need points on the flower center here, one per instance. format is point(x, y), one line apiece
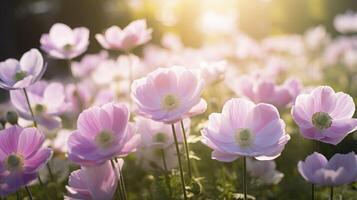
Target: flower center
point(20, 75)
point(160, 137)
point(170, 102)
point(321, 120)
point(104, 139)
point(39, 109)
point(243, 137)
point(67, 47)
point(14, 162)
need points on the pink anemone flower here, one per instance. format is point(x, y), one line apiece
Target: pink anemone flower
point(96, 182)
point(62, 42)
point(21, 157)
point(245, 129)
point(339, 170)
point(135, 34)
point(47, 101)
point(169, 94)
point(19, 74)
point(324, 115)
point(102, 134)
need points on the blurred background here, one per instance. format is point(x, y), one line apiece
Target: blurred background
point(23, 21)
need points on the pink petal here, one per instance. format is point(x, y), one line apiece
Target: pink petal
point(344, 108)
point(60, 35)
point(32, 62)
point(324, 99)
point(9, 139)
point(261, 115)
point(223, 157)
point(30, 141)
point(38, 160)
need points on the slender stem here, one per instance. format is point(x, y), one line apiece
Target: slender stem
point(50, 172)
point(313, 191)
point(123, 184)
point(18, 195)
point(40, 180)
point(117, 175)
point(29, 192)
point(167, 178)
point(29, 105)
point(187, 150)
point(331, 193)
point(44, 186)
point(245, 177)
point(179, 161)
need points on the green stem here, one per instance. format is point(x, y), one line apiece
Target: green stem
point(119, 183)
point(313, 191)
point(50, 172)
point(44, 186)
point(29, 105)
point(18, 195)
point(123, 184)
point(29, 192)
point(245, 177)
point(331, 193)
point(187, 150)
point(167, 178)
point(179, 161)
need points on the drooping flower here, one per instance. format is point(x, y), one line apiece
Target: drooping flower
point(47, 102)
point(245, 129)
point(102, 133)
point(158, 134)
point(339, 170)
point(21, 157)
point(169, 94)
point(18, 74)
point(62, 42)
point(95, 182)
point(324, 115)
point(135, 34)
point(265, 171)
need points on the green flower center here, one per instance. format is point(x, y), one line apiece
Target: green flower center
point(14, 162)
point(243, 137)
point(104, 139)
point(20, 75)
point(39, 108)
point(160, 137)
point(170, 102)
point(321, 120)
point(67, 47)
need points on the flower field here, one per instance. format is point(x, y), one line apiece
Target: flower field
point(140, 110)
